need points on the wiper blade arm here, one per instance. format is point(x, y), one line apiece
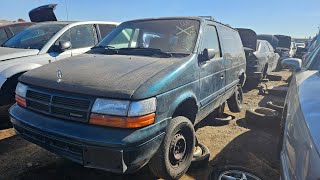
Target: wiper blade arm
point(154, 50)
point(105, 47)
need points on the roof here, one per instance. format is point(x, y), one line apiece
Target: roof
point(78, 22)
point(199, 18)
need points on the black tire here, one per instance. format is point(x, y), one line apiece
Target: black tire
point(262, 117)
point(219, 171)
point(274, 106)
point(173, 165)
point(201, 161)
point(236, 100)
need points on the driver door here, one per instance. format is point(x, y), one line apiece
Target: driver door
point(212, 72)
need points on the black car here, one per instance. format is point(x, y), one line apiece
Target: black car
point(135, 98)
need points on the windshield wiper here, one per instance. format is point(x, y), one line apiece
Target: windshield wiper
point(105, 47)
point(153, 51)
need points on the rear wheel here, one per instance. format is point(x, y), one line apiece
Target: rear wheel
point(174, 156)
point(236, 100)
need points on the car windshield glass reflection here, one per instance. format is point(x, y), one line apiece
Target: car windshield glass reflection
point(169, 36)
point(34, 37)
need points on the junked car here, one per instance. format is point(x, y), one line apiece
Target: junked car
point(260, 55)
point(43, 43)
point(135, 98)
point(300, 139)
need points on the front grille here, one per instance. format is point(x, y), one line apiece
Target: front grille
point(59, 105)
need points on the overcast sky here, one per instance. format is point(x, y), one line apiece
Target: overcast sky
point(297, 18)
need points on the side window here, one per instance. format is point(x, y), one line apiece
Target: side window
point(123, 39)
point(262, 48)
point(80, 36)
point(83, 36)
point(210, 40)
point(3, 36)
point(105, 29)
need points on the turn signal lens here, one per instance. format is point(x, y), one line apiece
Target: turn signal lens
point(122, 122)
point(21, 101)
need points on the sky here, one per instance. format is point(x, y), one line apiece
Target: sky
point(296, 18)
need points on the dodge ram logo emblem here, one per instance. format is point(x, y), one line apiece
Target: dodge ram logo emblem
point(59, 76)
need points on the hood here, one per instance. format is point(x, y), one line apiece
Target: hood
point(284, 41)
point(43, 13)
point(111, 76)
point(12, 53)
point(270, 38)
point(309, 86)
point(248, 38)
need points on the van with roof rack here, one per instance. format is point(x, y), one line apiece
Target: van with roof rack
point(135, 98)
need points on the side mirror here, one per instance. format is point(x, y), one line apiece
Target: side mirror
point(292, 63)
point(208, 54)
point(64, 45)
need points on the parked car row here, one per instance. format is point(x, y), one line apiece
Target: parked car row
point(260, 54)
point(129, 95)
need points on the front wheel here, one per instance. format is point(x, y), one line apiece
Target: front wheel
point(236, 100)
point(174, 156)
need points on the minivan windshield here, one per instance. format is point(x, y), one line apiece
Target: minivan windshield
point(34, 37)
point(165, 35)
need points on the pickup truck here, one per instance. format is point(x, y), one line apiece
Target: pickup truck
point(135, 98)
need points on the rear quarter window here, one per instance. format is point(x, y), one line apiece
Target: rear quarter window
point(105, 29)
point(231, 42)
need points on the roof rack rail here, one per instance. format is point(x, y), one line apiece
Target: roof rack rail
point(207, 17)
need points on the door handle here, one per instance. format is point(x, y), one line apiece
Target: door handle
point(222, 76)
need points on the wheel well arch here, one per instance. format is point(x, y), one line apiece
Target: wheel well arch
point(242, 78)
point(187, 108)
point(12, 79)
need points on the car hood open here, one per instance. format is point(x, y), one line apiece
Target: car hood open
point(284, 41)
point(248, 38)
point(12, 53)
point(112, 76)
point(43, 13)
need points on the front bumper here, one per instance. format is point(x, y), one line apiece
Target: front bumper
point(111, 149)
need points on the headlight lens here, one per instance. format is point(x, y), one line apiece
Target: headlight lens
point(143, 107)
point(21, 90)
point(111, 107)
point(124, 108)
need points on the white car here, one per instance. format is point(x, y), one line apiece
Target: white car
point(43, 43)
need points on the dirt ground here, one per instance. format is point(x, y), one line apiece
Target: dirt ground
point(231, 143)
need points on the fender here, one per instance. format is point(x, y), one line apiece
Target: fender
point(243, 71)
point(16, 69)
point(181, 99)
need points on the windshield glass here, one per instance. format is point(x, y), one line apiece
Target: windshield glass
point(34, 37)
point(170, 36)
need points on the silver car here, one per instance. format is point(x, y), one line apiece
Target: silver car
point(300, 139)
